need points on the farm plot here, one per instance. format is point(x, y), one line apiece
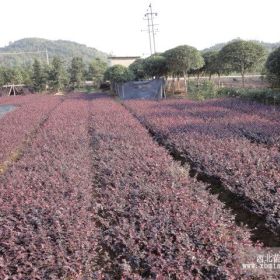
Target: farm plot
point(211, 137)
point(93, 196)
point(258, 122)
point(17, 126)
point(154, 221)
point(46, 227)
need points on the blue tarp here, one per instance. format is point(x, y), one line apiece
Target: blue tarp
point(149, 89)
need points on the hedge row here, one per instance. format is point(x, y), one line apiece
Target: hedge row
point(154, 221)
point(17, 125)
point(212, 138)
point(46, 219)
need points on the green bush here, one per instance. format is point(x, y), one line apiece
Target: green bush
point(273, 68)
point(205, 90)
point(267, 96)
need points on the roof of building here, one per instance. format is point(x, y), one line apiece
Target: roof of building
point(124, 57)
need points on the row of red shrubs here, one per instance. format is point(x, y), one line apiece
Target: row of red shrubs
point(47, 226)
point(154, 221)
point(211, 136)
point(94, 197)
point(15, 127)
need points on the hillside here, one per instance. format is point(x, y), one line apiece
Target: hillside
point(64, 49)
point(268, 46)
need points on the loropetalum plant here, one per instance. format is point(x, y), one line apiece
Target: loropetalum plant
point(94, 197)
point(234, 141)
point(153, 220)
point(47, 226)
point(17, 125)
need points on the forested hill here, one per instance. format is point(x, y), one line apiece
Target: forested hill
point(269, 46)
point(64, 49)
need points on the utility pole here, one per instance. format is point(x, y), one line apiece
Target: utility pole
point(149, 32)
point(47, 57)
point(149, 16)
point(152, 25)
point(23, 53)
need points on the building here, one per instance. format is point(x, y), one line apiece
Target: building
point(122, 60)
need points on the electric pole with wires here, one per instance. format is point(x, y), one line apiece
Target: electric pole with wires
point(150, 16)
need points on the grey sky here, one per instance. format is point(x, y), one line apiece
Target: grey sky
point(115, 26)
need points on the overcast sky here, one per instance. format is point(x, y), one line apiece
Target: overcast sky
point(114, 26)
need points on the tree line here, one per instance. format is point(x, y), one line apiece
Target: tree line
point(56, 76)
point(238, 56)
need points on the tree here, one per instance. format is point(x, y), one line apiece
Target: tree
point(214, 64)
point(15, 75)
point(155, 66)
point(242, 56)
point(118, 74)
point(11, 75)
point(137, 68)
point(96, 71)
point(77, 72)
point(57, 74)
point(38, 76)
point(211, 61)
point(273, 67)
point(181, 59)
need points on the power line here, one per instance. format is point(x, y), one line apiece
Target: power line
point(34, 52)
point(150, 16)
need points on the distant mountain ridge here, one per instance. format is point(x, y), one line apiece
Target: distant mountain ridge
point(268, 46)
point(62, 48)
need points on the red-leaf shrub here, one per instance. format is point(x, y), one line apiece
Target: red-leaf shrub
point(94, 197)
point(46, 218)
point(17, 125)
point(216, 137)
point(154, 222)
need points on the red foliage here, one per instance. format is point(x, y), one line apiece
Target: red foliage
point(219, 137)
point(18, 124)
point(46, 226)
point(154, 221)
point(94, 197)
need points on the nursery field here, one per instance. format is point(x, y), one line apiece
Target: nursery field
point(91, 188)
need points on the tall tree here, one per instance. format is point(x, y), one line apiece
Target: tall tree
point(137, 67)
point(155, 66)
point(77, 72)
point(273, 67)
point(118, 74)
point(38, 76)
point(181, 59)
point(242, 56)
point(57, 74)
point(214, 64)
point(96, 71)
point(211, 66)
